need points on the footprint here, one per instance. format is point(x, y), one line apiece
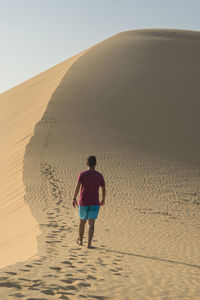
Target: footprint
point(18, 295)
point(35, 285)
point(10, 284)
point(64, 297)
point(48, 292)
point(84, 284)
point(55, 268)
point(81, 270)
point(97, 297)
point(50, 275)
point(33, 288)
point(66, 262)
point(24, 279)
point(69, 287)
point(91, 277)
point(67, 280)
point(11, 273)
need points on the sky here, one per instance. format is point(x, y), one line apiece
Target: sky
point(38, 34)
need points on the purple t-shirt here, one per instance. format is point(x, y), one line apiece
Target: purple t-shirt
point(91, 180)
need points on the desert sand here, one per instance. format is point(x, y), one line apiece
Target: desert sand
point(133, 101)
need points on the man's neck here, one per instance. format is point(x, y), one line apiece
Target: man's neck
point(91, 169)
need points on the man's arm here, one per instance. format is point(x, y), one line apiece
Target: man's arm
point(103, 195)
point(74, 203)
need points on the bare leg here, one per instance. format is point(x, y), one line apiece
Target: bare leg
point(81, 231)
point(90, 232)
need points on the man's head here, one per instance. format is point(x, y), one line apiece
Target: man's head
point(91, 161)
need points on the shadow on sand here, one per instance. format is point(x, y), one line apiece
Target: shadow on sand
point(149, 257)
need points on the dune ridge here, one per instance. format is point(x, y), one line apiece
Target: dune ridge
point(116, 101)
point(21, 108)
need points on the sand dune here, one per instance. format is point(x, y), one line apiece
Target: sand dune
point(132, 100)
point(21, 108)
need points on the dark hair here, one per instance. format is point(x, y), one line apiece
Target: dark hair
point(92, 161)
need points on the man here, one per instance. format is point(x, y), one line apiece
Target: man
point(89, 204)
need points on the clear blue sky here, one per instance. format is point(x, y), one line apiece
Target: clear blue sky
point(38, 34)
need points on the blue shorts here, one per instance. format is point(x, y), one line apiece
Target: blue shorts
point(88, 212)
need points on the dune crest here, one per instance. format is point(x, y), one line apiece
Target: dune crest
point(21, 108)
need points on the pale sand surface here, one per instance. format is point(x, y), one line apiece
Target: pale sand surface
point(21, 108)
point(133, 101)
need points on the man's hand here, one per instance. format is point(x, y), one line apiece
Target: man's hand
point(74, 203)
point(103, 195)
point(102, 202)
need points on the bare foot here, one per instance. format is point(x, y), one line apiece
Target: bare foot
point(90, 247)
point(79, 242)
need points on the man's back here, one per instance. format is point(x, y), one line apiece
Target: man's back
point(91, 180)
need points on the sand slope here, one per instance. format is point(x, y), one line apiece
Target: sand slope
point(133, 101)
point(21, 108)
